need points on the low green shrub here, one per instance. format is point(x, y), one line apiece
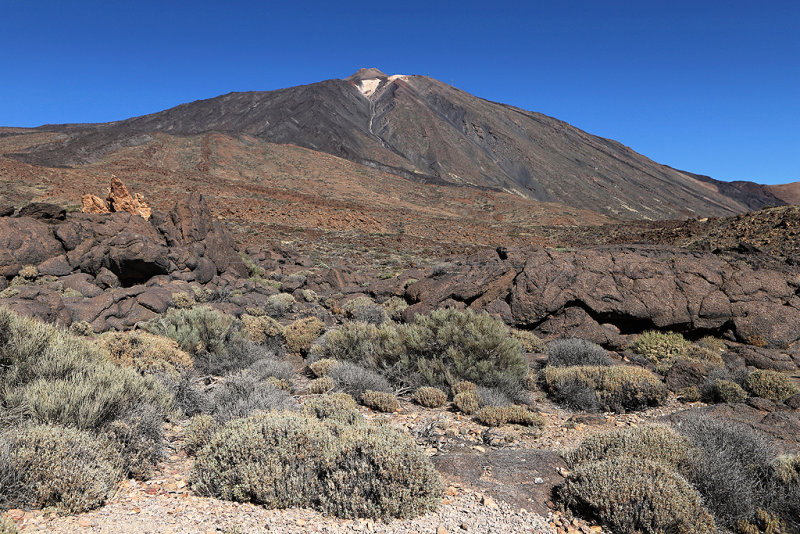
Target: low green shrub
point(502, 415)
point(267, 368)
point(282, 460)
point(530, 342)
point(365, 310)
point(261, 328)
point(57, 378)
point(322, 367)
point(363, 343)
point(380, 401)
point(280, 304)
point(56, 466)
point(198, 432)
point(636, 495)
point(81, 328)
point(242, 394)
point(772, 385)
point(430, 397)
point(467, 402)
point(574, 351)
point(321, 385)
point(302, 333)
point(395, 306)
point(196, 329)
point(730, 465)
point(656, 443)
point(237, 354)
point(139, 437)
point(616, 388)
point(355, 380)
point(463, 386)
point(657, 346)
point(145, 352)
point(339, 407)
point(720, 390)
point(182, 300)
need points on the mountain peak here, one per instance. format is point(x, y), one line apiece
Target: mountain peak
point(370, 73)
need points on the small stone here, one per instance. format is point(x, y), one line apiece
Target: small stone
point(16, 514)
point(84, 522)
point(489, 501)
point(441, 530)
point(538, 480)
point(478, 448)
point(464, 526)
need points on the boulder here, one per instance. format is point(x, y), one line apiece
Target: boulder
point(43, 211)
point(25, 241)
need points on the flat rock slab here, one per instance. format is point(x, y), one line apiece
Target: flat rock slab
point(508, 475)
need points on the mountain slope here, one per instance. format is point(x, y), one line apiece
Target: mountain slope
point(427, 131)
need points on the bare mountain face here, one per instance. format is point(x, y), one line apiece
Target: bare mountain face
point(427, 131)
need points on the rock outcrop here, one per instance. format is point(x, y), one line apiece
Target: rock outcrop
point(117, 200)
point(602, 294)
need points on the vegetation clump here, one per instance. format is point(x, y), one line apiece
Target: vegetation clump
point(301, 333)
point(771, 385)
point(321, 385)
point(467, 402)
point(573, 351)
point(530, 342)
point(657, 346)
point(280, 304)
point(380, 401)
point(502, 415)
point(242, 394)
point(656, 443)
point(261, 329)
point(430, 397)
point(198, 432)
point(322, 367)
point(280, 460)
point(365, 310)
point(195, 329)
point(636, 495)
point(356, 380)
point(339, 407)
point(145, 352)
point(616, 388)
point(51, 465)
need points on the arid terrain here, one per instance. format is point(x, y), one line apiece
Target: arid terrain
point(479, 318)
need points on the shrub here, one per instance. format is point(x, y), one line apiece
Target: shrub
point(81, 328)
point(615, 388)
point(705, 353)
point(467, 402)
point(7, 526)
point(197, 329)
point(430, 397)
point(731, 466)
point(281, 460)
point(237, 354)
point(57, 466)
point(365, 310)
point(771, 385)
point(266, 368)
point(380, 401)
point(198, 432)
point(463, 386)
point(574, 351)
point(395, 306)
point(355, 380)
point(720, 390)
point(657, 443)
point(450, 345)
point(530, 342)
point(280, 304)
point(139, 437)
point(302, 333)
point(338, 407)
point(54, 377)
point(501, 415)
point(635, 495)
point(28, 272)
point(363, 343)
point(657, 346)
point(712, 343)
point(145, 352)
point(261, 328)
point(242, 394)
point(321, 385)
point(182, 300)
point(322, 367)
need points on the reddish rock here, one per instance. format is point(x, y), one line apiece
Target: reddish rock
point(25, 241)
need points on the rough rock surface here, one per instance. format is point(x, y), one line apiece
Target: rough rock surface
point(601, 293)
point(118, 199)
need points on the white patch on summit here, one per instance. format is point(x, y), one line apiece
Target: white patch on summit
point(367, 87)
point(394, 77)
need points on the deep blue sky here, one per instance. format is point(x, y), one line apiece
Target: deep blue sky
point(707, 86)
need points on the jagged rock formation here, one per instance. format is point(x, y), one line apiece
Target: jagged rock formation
point(118, 199)
point(604, 293)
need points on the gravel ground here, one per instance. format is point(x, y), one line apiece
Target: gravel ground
point(182, 513)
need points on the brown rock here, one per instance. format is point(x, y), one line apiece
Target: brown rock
point(43, 211)
point(93, 204)
point(25, 241)
point(119, 199)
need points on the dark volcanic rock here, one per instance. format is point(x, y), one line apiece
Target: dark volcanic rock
point(25, 241)
point(632, 288)
point(43, 211)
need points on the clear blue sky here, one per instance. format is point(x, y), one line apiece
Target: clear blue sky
point(707, 86)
